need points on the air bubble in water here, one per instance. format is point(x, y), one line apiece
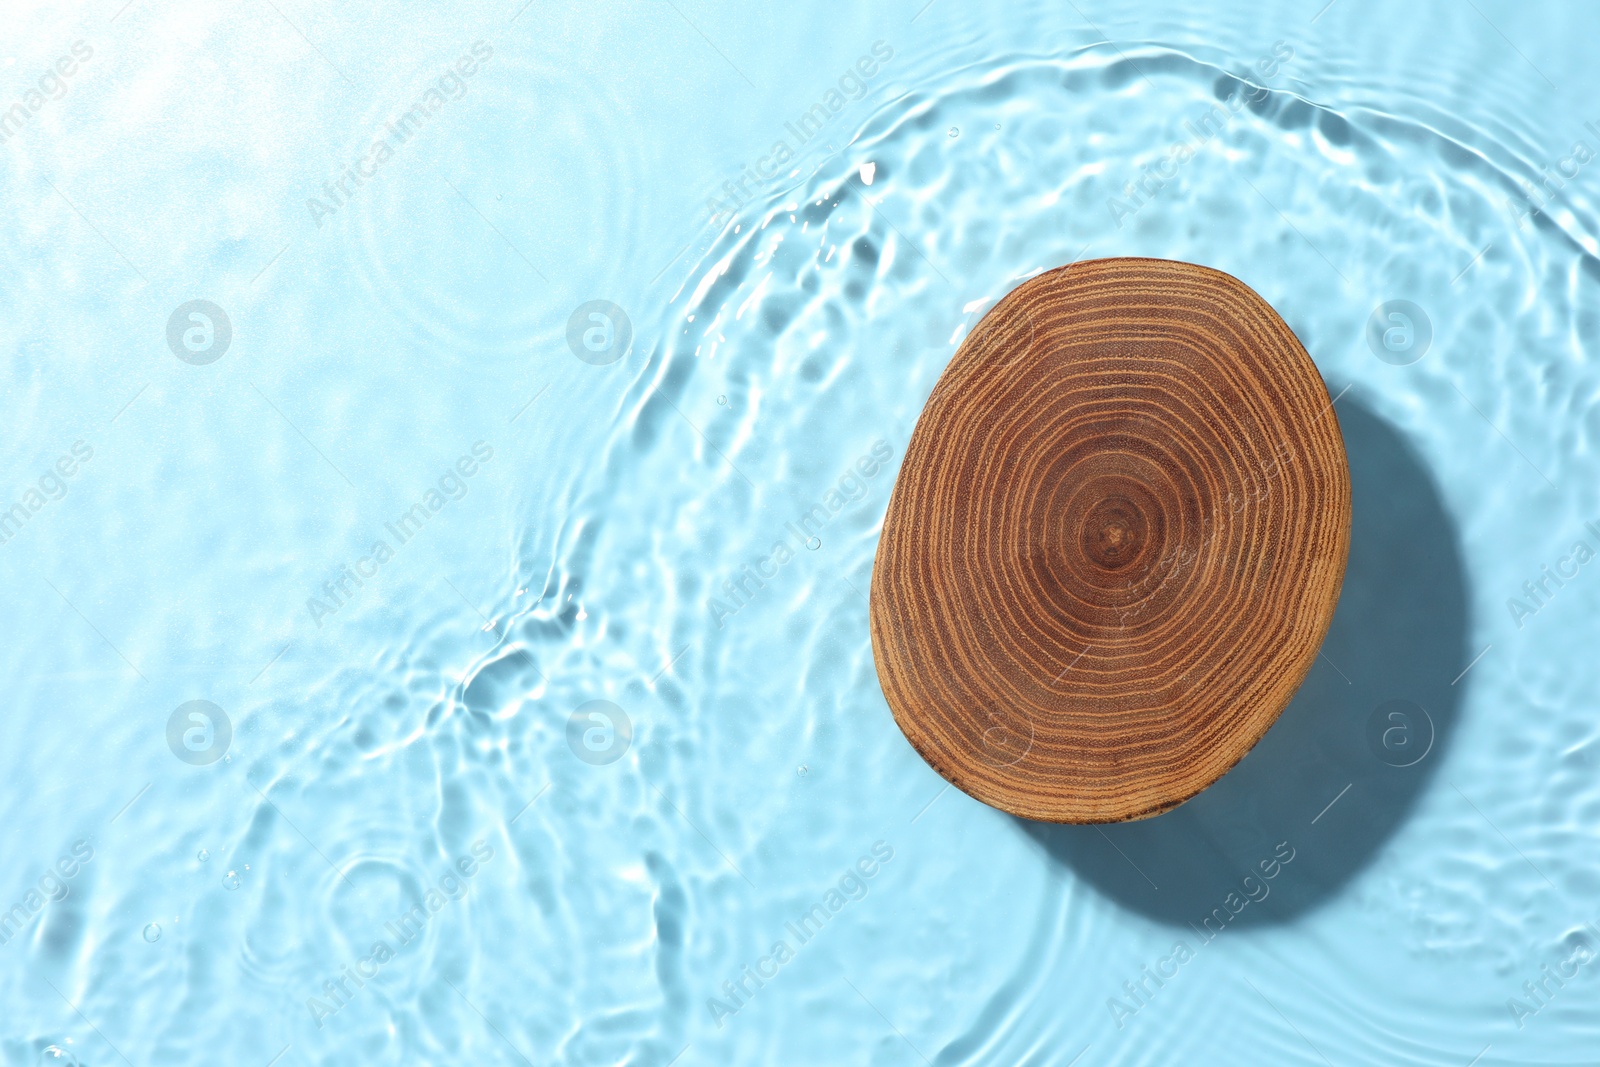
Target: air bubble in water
point(231, 880)
point(152, 933)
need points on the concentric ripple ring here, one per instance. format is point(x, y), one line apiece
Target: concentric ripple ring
point(1115, 543)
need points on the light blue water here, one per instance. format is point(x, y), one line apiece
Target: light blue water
point(407, 780)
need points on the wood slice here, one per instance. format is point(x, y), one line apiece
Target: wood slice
point(1115, 543)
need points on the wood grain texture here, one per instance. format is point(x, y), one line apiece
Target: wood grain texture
point(1115, 543)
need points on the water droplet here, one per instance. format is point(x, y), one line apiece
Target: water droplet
point(814, 543)
point(997, 125)
point(203, 855)
point(55, 1055)
point(231, 880)
point(723, 399)
point(803, 770)
point(152, 933)
point(954, 132)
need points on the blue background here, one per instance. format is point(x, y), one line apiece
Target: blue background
point(395, 761)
